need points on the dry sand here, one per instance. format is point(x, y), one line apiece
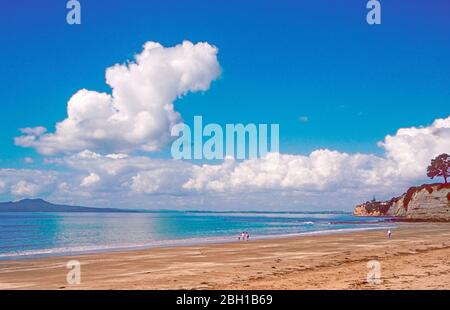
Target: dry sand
point(417, 257)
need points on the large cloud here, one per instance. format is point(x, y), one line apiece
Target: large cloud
point(412, 148)
point(139, 113)
point(323, 179)
point(407, 154)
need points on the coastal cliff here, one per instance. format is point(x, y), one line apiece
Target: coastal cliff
point(428, 202)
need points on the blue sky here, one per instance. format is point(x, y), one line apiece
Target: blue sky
point(281, 60)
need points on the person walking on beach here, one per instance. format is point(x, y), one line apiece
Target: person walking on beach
point(389, 234)
point(242, 236)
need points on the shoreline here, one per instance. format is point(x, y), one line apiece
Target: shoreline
point(105, 249)
point(417, 257)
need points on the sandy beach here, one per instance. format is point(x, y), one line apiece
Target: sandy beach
point(417, 257)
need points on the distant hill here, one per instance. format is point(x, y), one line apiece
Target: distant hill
point(40, 205)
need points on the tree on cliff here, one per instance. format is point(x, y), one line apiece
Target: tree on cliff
point(439, 167)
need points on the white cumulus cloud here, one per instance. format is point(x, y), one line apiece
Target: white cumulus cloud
point(139, 112)
point(323, 179)
point(25, 189)
point(91, 179)
point(412, 148)
point(27, 182)
point(407, 154)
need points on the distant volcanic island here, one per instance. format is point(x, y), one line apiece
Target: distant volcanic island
point(40, 205)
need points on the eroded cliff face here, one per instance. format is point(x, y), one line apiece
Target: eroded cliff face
point(427, 205)
point(429, 202)
point(372, 208)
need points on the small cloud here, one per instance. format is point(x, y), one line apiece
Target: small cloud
point(24, 188)
point(91, 179)
point(117, 156)
point(28, 160)
point(53, 161)
point(34, 131)
point(303, 119)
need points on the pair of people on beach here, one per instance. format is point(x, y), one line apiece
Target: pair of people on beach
point(244, 236)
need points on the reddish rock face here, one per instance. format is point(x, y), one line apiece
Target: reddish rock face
point(428, 202)
point(372, 208)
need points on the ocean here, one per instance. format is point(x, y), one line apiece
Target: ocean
point(32, 234)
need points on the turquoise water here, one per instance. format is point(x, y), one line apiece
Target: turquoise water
point(36, 234)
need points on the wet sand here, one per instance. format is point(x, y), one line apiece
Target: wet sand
point(417, 257)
